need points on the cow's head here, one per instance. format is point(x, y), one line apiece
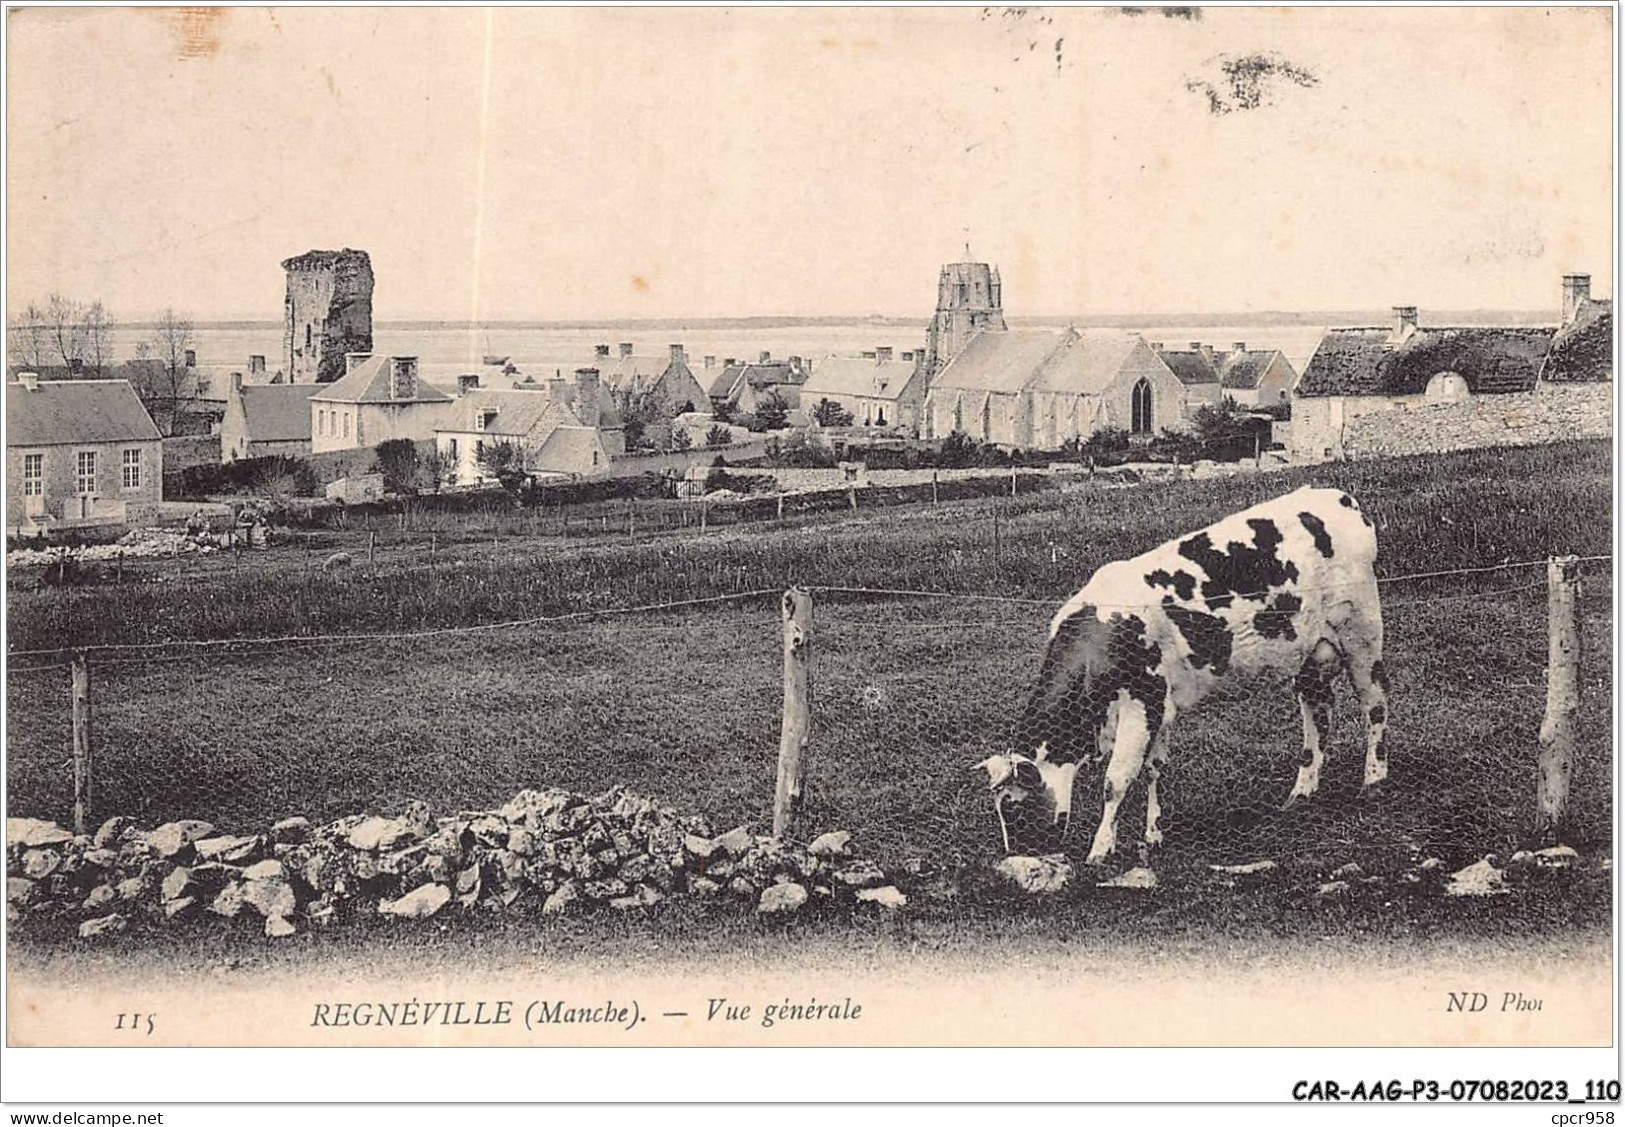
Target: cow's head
point(1032, 799)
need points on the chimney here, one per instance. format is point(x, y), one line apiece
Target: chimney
point(403, 377)
point(1156, 346)
point(468, 383)
point(883, 354)
point(710, 361)
point(765, 357)
point(677, 356)
point(601, 350)
point(353, 359)
point(236, 384)
point(729, 362)
point(1207, 351)
point(1238, 346)
point(626, 349)
point(190, 357)
point(1196, 346)
point(1404, 320)
point(29, 380)
point(908, 356)
point(256, 365)
point(795, 361)
point(587, 402)
point(1576, 292)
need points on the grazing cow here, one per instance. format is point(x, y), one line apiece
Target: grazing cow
point(1286, 585)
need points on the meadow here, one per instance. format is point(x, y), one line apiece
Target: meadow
point(683, 703)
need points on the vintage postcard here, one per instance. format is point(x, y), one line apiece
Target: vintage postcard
point(923, 527)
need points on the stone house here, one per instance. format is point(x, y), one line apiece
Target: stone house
point(1257, 377)
point(1198, 370)
point(1038, 389)
point(261, 420)
point(79, 452)
point(745, 387)
point(643, 384)
point(555, 440)
point(875, 389)
point(378, 398)
point(1409, 389)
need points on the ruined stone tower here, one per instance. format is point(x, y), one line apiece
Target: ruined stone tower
point(968, 302)
point(328, 313)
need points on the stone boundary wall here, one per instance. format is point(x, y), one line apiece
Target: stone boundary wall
point(1380, 426)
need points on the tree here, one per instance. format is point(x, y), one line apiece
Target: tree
point(773, 413)
point(959, 450)
point(29, 339)
point(719, 435)
point(439, 468)
point(724, 412)
point(66, 332)
point(397, 459)
point(162, 378)
point(79, 332)
point(680, 439)
point(504, 461)
point(828, 413)
point(635, 419)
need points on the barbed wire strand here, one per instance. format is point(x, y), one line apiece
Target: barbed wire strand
point(297, 640)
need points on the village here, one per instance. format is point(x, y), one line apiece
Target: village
point(97, 445)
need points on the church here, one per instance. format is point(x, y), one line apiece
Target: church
point(1035, 389)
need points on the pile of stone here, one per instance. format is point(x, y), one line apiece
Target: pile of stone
point(546, 851)
point(138, 543)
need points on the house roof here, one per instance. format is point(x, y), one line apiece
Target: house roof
point(519, 414)
point(1191, 368)
point(368, 382)
point(1087, 363)
point(854, 375)
point(278, 412)
point(1004, 360)
point(1242, 371)
point(570, 445)
point(76, 412)
point(1372, 362)
point(1584, 348)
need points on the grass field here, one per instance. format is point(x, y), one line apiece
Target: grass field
point(684, 704)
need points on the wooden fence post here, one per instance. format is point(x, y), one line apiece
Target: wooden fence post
point(372, 539)
point(1012, 481)
point(997, 553)
point(793, 736)
point(702, 514)
point(631, 515)
point(781, 507)
point(81, 743)
point(933, 486)
point(1557, 730)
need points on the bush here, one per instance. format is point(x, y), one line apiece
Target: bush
point(397, 459)
point(773, 413)
point(796, 452)
point(828, 413)
point(718, 435)
point(959, 450)
point(251, 475)
point(680, 439)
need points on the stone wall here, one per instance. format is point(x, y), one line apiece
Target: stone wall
point(1377, 426)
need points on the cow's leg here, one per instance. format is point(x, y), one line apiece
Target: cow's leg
point(1128, 756)
point(1362, 642)
point(1314, 687)
point(1153, 771)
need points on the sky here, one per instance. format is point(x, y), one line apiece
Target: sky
point(558, 164)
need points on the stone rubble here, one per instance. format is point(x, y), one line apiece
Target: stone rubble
point(545, 851)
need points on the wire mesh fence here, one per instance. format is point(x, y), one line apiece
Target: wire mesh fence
point(909, 691)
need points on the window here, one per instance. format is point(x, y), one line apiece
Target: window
point(451, 445)
point(130, 476)
point(960, 292)
point(1141, 408)
point(84, 481)
point(33, 475)
point(307, 338)
point(346, 425)
point(595, 457)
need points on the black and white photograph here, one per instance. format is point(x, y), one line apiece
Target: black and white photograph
point(816, 528)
